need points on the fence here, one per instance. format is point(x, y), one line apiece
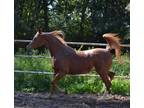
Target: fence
point(50, 73)
point(74, 43)
point(81, 43)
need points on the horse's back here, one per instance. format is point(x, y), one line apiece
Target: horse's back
point(84, 61)
point(96, 53)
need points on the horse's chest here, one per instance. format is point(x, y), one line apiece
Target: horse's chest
point(60, 64)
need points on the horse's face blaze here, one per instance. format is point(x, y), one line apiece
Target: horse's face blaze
point(37, 41)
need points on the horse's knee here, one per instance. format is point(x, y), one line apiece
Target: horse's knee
point(53, 83)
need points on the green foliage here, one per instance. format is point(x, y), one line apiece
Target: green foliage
point(122, 69)
point(120, 86)
point(38, 64)
point(81, 20)
point(71, 84)
point(31, 83)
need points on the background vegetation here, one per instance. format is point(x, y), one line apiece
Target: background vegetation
point(81, 20)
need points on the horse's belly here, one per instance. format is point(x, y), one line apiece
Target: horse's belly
point(80, 69)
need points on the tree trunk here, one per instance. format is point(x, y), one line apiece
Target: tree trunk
point(45, 4)
point(81, 31)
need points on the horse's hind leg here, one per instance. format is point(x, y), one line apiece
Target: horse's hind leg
point(105, 77)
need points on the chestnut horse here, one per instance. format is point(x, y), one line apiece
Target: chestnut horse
point(68, 61)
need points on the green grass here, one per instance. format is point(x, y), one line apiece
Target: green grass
point(38, 64)
point(71, 84)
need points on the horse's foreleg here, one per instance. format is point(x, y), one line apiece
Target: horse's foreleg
point(107, 82)
point(57, 77)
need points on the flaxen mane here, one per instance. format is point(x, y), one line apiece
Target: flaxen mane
point(60, 35)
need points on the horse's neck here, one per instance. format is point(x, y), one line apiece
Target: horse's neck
point(59, 49)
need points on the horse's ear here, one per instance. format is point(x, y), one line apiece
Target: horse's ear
point(40, 31)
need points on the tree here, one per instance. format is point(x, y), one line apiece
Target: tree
point(81, 20)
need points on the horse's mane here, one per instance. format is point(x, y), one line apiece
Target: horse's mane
point(59, 35)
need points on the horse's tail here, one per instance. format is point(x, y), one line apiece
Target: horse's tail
point(113, 43)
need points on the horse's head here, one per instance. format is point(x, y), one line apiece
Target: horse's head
point(50, 40)
point(37, 41)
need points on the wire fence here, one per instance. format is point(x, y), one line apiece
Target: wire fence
point(32, 56)
point(51, 73)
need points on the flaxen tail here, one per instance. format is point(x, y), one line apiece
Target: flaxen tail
point(114, 43)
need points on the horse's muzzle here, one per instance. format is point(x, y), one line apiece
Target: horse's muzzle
point(29, 49)
point(28, 46)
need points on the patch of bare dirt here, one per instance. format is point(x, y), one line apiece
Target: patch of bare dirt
point(42, 100)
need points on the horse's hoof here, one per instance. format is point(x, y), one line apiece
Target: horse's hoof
point(50, 96)
point(61, 91)
point(103, 97)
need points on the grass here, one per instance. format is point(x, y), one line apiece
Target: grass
point(71, 84)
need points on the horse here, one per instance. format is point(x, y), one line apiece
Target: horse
point(67, 61)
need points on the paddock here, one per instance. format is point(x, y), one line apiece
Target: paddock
point(42, 100)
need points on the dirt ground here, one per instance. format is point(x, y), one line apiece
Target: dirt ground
point(42, 100)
